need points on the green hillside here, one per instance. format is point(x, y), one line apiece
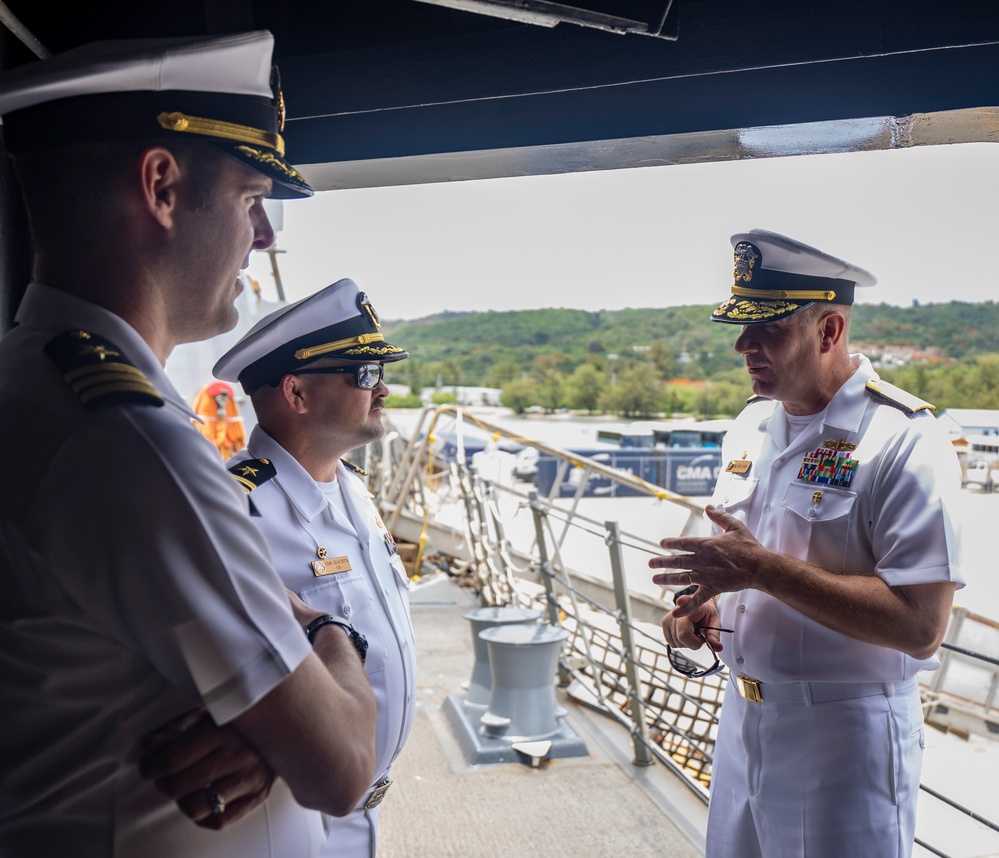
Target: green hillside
point(947, 346)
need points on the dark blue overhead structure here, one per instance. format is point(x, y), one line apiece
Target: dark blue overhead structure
point(525, 100)
point(387, 92)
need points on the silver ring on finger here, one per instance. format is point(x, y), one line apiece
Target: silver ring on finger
point(216, 801)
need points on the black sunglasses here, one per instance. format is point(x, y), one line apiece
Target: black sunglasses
point(679, 662)
point(367, 376)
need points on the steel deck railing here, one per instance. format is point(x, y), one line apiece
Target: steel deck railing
point(615, 659)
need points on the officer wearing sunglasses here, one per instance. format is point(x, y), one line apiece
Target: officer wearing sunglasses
point(367, 376)
point(314, 373)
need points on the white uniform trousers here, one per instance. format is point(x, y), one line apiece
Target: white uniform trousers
point(355, 835)
point(816, 780)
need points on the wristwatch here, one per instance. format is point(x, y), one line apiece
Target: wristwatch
point(359, 641)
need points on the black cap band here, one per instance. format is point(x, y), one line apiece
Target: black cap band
point(771, 285)
point(242, 126)
point(363, 346)
point(128, 115)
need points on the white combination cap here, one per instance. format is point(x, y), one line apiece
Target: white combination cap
point(337, 322)
point(223, 90)
point(776, 276)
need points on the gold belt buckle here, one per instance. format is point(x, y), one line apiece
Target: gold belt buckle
point(749, 689)
point(377, 794)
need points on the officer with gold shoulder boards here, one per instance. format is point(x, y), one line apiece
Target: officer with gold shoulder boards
point(314, 373)
point(834, 546)
point(136, 591)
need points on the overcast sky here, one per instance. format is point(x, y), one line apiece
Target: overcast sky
point(923, 220)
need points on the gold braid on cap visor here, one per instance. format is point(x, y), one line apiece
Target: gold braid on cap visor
point(326, 348)
point(784, 294)
point(225, 130)
point(750, 311)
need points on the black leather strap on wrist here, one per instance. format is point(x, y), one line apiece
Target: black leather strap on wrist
point(359, 641)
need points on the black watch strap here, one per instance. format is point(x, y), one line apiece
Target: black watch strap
point(359, 641)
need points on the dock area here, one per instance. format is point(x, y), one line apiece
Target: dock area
point(583, 807)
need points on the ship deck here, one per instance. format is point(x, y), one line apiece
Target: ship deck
point(584, 807)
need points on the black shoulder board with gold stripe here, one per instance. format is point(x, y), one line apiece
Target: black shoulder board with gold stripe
point(896, 396)
point(253, 473)
point(350, 466)
point(99, 373)
point(757, 398)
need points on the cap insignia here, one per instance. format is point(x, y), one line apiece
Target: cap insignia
point(364, 303)
point(745, 257)
point(278, 97)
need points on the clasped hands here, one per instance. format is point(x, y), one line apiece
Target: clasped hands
point(204, 767)
point(212, 773)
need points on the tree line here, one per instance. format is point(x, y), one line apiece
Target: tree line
point(645, 362)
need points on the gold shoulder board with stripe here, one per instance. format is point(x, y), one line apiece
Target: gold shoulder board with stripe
point(896, 396)
point(98, 371)
point(350, 466)
point(253, 473)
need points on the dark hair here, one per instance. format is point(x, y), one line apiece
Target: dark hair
point(68, 192)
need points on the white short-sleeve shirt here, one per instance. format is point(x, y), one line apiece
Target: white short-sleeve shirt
point(134, 587)
point(364, 580)
point(881, 505)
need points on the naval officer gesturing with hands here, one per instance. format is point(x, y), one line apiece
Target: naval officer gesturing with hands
point(828, 579)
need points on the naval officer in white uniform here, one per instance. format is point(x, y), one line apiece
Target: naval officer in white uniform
point(135, 586)
point(314, 373)
point(835, 548)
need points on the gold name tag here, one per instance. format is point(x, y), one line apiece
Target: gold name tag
point(739, 466)
point(330, 566)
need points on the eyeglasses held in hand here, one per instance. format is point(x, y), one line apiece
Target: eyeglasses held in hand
point(679, 662)
point(367, 376)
